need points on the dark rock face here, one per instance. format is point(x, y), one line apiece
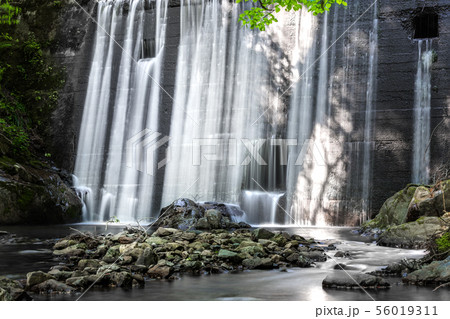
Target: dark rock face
point(31, 196)
point(185, 214)
point(356, 280)
point(438, 272)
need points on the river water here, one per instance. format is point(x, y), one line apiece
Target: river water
point(304, 284)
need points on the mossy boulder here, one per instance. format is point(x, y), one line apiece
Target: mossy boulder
point(394, 210)
point(430, 201)
point(413, 234)
point(35, 196)
point(185, 214)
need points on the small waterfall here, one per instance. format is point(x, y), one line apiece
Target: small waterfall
point(262, 207)
point(122, 100)
point(368, 119)
point(422, 101)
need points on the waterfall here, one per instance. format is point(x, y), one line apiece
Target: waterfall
point(262, 207)
point(330, 170)
point(122, 100)
point(422, 101)
point(263, 120)
point(221, 83)
point(368, 118)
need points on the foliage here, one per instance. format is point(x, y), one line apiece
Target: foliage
point(8, 13)
point(265, 14)
point(29, 81)
point(443, 243)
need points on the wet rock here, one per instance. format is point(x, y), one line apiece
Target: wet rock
point(185, 214)
point(74, 250)
point(36, 277)
point(255, 250)
point(303, 262)
point(351, 279)
point(108, 269)
point(437, 272)
point(60, 275)
point(4, 295)
point(163, 232)
point(414, 234)
point(126, 240)
point(64, 244)
point(122, 279)
point(342, 254)
point(429, 201)
point(394, 210)
point(344, 267)
point(228, 255)
point(262, 233)
point(189, 236)
point(280, 239)
point(214, 218)
point(155, 241)
point(138, 280)
point(316, 256)
point(112, 254)
point(52, 286)
point(91, 263)
point(12, 290)
point(202, 223)
point(77, 282)
point(139, 269)
point(147, 258)
point(35, 196)
point(258, 263)
point(160, 271)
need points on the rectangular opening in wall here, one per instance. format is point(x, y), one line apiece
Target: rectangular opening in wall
point(148, 49)
point(426, 25)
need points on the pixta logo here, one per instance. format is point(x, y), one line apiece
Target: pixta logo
point(141, 151)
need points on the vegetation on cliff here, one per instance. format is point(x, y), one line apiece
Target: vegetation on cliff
point(29, 80)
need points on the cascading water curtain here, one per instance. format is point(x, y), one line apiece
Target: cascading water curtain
point(221, 83)
point(422, 107)
point(329, 172)
point(122, 100)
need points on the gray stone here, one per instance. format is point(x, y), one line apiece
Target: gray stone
point(351, 279)
point(147, 258)
point(52, 286)
point(437, 272)
point(36, 277)
point(262, 233)
point(414, 234)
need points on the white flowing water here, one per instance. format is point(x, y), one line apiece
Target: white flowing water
point(238, 94)
point(327, 172)
point(422, 101)
point(110, 120)
point(262, 207)
point(221, 85)
point(368, 119)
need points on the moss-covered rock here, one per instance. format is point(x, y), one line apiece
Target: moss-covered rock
point(35, 196)
point(394, 210)
point(430, 201)
point(185, 214)
point(413, 234)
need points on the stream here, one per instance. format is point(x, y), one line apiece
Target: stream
point(33, 252)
